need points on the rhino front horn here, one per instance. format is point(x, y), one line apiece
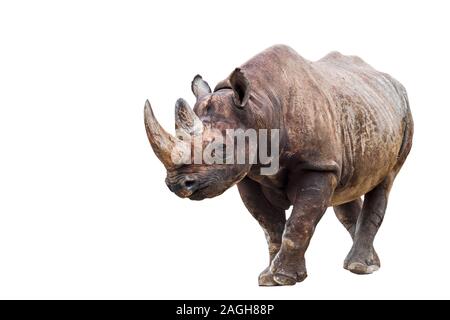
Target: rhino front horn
point(170, 150)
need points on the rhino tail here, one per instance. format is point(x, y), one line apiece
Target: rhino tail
point(408, 133)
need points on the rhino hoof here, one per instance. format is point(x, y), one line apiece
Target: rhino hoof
point(287, 280)
point(284, 280)
point(266, 280)
point(361, 268)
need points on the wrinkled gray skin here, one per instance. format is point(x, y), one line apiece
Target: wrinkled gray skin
point(346, 130)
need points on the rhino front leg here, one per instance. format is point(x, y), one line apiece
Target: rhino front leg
point(272, 219)
point(311, 197)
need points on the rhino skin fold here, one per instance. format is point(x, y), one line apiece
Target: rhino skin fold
point(345, 132)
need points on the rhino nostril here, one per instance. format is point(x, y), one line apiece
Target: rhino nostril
point(190, 184)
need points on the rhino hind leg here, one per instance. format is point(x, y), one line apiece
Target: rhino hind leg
point(348, 214)
point(362, 258)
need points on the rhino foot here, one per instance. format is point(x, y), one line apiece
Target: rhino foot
point(287, 274)
point(364, 262)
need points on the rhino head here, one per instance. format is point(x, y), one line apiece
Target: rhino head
point(214, 113)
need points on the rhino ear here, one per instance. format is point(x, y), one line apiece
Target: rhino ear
point(200, 87)
point(241, 87)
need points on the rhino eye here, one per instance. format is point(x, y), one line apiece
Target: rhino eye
point(208, 109)
point(219, 151)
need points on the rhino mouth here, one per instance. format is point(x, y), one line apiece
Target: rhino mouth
point(198, 194)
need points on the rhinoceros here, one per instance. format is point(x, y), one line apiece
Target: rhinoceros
point(345, 130)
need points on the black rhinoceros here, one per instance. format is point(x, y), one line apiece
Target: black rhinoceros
point(345, 130)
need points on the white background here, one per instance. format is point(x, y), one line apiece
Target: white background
point(84, 210)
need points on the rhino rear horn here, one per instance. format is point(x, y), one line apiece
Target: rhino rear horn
point(186, 120)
